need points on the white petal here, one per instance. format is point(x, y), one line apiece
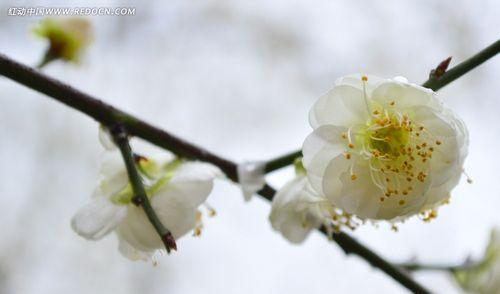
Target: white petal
point(319, 148)
point(251, 176)
point(400, 79)
point(138, 231)
point(131, 253)
point(446, 157)
point(437, 194)
point(405, 95)
point(290, 211)
point(106, 139)
point(113, 173)
point(358, 196)
point(177, 206)
point(331, 185)
point(97, 218)
point(355, 80)
point(343, 105)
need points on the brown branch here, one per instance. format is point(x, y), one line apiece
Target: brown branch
point(110, 116)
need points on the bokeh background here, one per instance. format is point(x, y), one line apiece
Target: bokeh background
point(237, 77)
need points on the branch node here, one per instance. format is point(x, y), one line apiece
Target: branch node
point(440, 69)
point(137, 200)
point(169, 241)
point(118, 132)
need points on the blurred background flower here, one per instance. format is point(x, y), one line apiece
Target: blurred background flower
point(67, 38)
point(483, 276)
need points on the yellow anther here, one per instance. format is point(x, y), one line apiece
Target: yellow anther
point(347, 155)
point(438, 142)
point(364, 78)
point(211, 212)
point(197, 232)
point(351, 145)
point(402, 202)
point(392, 103)
point(353, 177)
point(344, 135)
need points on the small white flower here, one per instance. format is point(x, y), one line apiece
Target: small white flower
point(483, 277)
point(383, 148)
point(297, 209)
point(251, 177)
point(176, 189)
point(291, 210)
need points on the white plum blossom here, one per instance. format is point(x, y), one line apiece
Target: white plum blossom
point(384, 148)
point(484, 276)
point(175, 188)
point(291, 213)
point(297, 209)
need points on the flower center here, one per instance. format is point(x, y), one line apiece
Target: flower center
point(396, 149)
point(387, 136)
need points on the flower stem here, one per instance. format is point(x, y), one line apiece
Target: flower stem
point(47, 58)
point(111, 116)
point(282, 161)
point(435, 82)
point(140, 198)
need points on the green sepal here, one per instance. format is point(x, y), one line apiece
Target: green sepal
point(299, 167)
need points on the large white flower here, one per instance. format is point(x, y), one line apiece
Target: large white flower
point(484, 277)
point(383, 148)
point(176, 189)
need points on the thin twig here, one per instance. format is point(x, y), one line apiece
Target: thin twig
point(140, 198)
point(438, 78)
point(436, 267)
point(110, 116)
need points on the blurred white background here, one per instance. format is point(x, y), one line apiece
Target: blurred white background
point(237, 77)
